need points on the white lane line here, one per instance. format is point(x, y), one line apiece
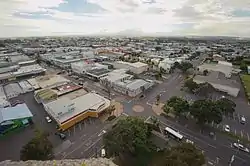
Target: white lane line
point(190, 136)
point(241, 133)
point(239, 158)
point(235, 132)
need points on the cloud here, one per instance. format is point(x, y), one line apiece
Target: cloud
point(168, 17)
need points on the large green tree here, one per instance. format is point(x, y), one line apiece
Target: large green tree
point(178, 104)
point(226, 106)
point(205, 111)
point(204, 89)
point(191, 85)
point(184, 154)
point(129, 140)
point(38, 148)
point(184, 66)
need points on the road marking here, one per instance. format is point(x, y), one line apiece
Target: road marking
point(241, 133)
point(190, 135)
point(69, 133)
point(74, 129)
point(149, 104)
point(239, 158)
point(235, 132)
point(82, 144)
point(80, 125)
point(247, 137)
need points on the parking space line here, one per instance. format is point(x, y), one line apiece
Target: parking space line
point(74, 129)
point(235, 131)
point(241, 133)
point(68, 132)
point(80, 126)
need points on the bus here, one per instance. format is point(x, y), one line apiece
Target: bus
point(174, 134)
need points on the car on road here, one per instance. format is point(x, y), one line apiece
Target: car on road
point(48, 119)
point(61, 135)
point(242, 120)
point(240, 147)
point(227, 128)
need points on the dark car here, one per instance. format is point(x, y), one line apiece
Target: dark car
point(61, 135)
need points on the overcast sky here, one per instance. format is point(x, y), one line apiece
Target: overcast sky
point(159, 17)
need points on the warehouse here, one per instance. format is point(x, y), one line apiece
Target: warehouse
point(12, 118)
point(219, 82)
point(68, 112)
point(221, 66)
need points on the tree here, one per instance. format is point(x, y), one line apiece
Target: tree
point(205, 111)
point(191, 85)
point(226, 106)
point(129, 141)
point(205, 72)
point(184, 154)
point(184, 66)
point(38, 148)
point(179, 105)
point(204, 89)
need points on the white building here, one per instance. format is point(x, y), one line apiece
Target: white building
point(132, 88)
point(123, 83)
point(136, 68)
point(83, 66)
point(221, 66)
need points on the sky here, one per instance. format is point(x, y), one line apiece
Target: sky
point(21, 18)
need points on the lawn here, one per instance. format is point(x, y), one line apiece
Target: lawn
point(246, 81)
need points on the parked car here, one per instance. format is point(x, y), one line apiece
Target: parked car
point(80, 83)
point(241, 147)
point(227, 128)
point(48, 119)
point(242, 120)
point(103, 153)
point(61, 135)
point(189, 141)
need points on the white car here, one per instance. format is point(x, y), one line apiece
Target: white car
point(103, 153)
point(189, 141)
point(242, 120)
point(227, 128)
point(48, 119)
point(241, 147)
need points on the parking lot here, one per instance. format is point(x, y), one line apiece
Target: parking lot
point(12, 144)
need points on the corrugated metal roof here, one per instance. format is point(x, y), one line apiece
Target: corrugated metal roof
point(18, 112)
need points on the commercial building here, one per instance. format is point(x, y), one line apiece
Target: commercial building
point(68, 112)
point(12, 118)
point(3, 99)
point(221, 66)
point(125, 84)
point(90, 69)
point(12, 90)
point(132, 88)
point(48, 94)
point(13, 72)
point(26, 86)
point(219, 82)
point(136, 68)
